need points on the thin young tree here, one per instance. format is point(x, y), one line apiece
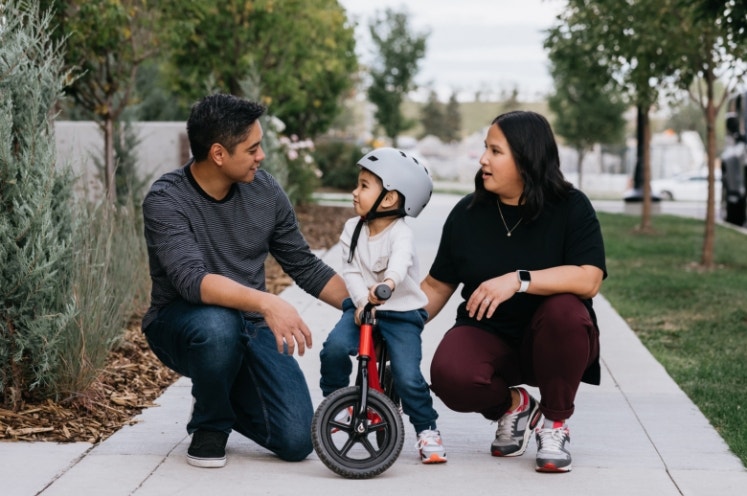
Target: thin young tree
point(714, 45)
point(587, 104)
point(398, 52)
point(106, 42)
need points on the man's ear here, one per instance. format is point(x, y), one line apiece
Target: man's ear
point(217, 153)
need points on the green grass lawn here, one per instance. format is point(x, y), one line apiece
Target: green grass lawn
point(694, 321)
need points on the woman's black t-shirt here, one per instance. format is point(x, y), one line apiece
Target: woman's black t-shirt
point(474, 247)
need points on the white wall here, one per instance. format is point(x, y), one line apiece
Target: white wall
point(163, 147)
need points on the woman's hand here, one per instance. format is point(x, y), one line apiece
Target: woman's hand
point(491, 293)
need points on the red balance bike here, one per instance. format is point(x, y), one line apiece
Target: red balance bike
point(357, 431)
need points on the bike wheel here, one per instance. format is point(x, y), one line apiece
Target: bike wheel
point(357, 452)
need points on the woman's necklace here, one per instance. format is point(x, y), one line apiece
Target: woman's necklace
point(508, 231)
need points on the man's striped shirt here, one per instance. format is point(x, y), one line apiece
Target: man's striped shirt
point(189, 235)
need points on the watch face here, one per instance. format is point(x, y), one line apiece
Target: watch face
point(524, 276)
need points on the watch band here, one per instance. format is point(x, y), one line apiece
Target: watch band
point(524, 279)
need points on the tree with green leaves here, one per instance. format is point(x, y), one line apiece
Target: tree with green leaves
point(442, 121)
point(398, 52)
point(452, 120)
point(432, 116)
point(652, 48)
point(712, 54)
point(587, 104)
point(302, 50)
point(106, 41)
point(732, 15)
point(35, 200)
point(635, 44)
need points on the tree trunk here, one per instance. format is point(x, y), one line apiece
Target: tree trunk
point(111, 186)
point(709, 237)
point(579, 167)
point(646, 184)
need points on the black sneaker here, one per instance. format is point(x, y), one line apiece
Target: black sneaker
point(207, 449)
point(515, 428)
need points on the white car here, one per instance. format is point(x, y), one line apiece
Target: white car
point(688, 186)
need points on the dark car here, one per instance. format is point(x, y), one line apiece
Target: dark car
point(734, 162)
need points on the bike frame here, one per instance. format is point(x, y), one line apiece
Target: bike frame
point(370, 373)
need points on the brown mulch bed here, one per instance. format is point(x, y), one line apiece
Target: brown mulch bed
point(134, 378)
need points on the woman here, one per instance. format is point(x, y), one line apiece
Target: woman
point(528, 249)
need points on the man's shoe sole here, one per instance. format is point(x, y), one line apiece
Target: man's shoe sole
point(206, 462)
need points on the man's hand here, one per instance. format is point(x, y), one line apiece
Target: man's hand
point(287, 326)
point(282, 318)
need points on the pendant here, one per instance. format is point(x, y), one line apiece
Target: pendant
point(508, 234)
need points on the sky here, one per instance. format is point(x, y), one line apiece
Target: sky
point(490, 46)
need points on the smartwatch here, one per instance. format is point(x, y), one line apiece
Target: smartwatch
point(524, 279)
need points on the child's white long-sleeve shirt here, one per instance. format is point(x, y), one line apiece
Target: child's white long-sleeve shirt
point(389, 254)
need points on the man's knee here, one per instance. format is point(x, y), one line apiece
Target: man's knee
point(296, 448)
point(216, 326)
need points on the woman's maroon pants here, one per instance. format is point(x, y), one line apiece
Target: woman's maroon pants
point(473, 369)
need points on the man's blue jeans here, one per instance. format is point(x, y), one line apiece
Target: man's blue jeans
point(401, 330)
point(239, 380)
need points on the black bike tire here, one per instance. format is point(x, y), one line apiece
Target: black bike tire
point(388, 446)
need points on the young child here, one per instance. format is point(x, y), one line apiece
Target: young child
point(377, 248)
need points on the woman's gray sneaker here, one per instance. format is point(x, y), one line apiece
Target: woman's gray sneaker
point(552, 450)
point(515, 429)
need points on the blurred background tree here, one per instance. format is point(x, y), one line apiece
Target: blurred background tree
point(303, 52)
point(398, 52)
point(106, 41)
point(588, 104)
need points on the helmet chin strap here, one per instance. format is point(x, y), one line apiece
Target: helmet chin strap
point(371, 215)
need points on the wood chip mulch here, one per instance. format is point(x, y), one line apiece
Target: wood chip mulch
point(134, 378)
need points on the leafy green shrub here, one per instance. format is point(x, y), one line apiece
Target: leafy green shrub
point(336, 160)
point(35, 224)
point(69, 271)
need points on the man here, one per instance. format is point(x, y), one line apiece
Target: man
point(209, 227)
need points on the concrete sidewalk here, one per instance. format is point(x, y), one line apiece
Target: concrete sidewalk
point(636, 434)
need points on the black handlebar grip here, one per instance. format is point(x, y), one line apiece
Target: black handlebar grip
point(383, 292)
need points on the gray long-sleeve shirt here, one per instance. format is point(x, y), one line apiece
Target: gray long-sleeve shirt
point(189, 235)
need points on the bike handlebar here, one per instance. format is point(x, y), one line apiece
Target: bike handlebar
point(382, 292)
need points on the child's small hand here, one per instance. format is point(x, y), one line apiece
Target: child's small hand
point(372, 292)
point(358, 313)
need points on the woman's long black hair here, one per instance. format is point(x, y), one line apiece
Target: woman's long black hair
point(535, 152)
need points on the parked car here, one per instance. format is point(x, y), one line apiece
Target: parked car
point(734, 161)
point(688, 186)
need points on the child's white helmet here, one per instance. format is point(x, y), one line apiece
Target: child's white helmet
point(403, 173)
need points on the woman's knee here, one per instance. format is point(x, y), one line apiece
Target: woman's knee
point(560, 314)
point(449, 383)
